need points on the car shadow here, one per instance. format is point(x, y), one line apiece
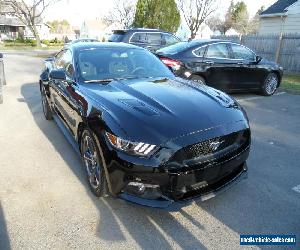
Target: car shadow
point(148, 227)
point(4, 238)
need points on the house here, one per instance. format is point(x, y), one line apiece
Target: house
point(281, 17)
point(11, 27)
point(93, 29)
point(204, 32)
point(42, 28)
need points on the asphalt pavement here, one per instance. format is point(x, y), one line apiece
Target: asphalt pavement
point(45, 202)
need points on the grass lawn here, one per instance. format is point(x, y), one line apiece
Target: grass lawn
point(291, 82)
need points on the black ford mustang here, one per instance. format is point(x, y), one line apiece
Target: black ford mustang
point(144, 135)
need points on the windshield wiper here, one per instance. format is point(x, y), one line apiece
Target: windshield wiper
point(99, 80)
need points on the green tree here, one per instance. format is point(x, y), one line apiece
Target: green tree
point(240, 17)
point(159, 14)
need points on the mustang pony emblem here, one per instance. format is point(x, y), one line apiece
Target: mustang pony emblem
point(215, 145)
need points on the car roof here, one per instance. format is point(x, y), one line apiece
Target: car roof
point(100, 45)
point(141, 30)
point(206, 41)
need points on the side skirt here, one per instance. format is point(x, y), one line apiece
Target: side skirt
point(66, 133)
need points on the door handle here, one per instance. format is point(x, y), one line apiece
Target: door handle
point(209, 62)
point(240, 63)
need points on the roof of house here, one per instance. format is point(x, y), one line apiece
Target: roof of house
point(12, 21)
point(279, 7)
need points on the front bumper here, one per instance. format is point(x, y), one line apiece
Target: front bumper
point(165, 202)
point(179, 184)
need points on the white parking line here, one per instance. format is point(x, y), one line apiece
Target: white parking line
point(296, 189)
point(257, 97)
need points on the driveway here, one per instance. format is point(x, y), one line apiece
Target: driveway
point(45, 201)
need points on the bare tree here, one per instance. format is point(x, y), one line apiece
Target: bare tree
point(29, 13)
point(122, 12)
point(195, 12)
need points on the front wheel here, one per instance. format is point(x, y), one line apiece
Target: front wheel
point(198, 79)
point(270, 85)
point(93, 163)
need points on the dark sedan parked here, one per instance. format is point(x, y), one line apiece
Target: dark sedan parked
point(223, 65)
point(143, 134)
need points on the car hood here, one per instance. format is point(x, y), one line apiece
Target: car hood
point(162, 109)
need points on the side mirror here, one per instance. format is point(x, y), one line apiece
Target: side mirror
point(1, 55)
point(258, 59)
point(57, 74)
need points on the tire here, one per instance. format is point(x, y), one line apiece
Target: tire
point(46, 107)
point(270, 85)
point(92, 161)
point(198, 79)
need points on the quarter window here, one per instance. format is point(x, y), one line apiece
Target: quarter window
point(218, 50)
point(200, 51)
point(240, 52)
point(169, 39)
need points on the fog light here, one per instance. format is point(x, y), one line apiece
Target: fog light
point(140, 187)
point(143, 190)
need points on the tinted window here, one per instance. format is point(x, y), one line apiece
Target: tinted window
point(175, 48)
point(139, 38)
point(240, 52)
point(200, 52)
point(169, 39)
point(116, 37)
point(110, 63)
point(154, 38)
point(218, 50)
point(63, 59)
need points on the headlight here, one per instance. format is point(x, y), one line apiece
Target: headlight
point(133, 148)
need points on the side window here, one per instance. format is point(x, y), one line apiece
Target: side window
point(154, 38)
point(200, 51)
point(58, 59)
point(64, 61)
point(240, 52)
point(218, 50)
point(169, 39)
point(139, 38)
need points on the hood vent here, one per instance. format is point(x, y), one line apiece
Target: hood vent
point(139, 106)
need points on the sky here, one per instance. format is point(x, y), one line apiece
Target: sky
point(76, 11)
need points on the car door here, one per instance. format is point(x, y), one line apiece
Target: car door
point(247, 74)
point(65, 99)
point(56, 85)
point(218, 66)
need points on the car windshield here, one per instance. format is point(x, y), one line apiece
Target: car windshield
point(119, 63)
point(175, 48)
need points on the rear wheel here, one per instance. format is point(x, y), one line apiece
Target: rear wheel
point(46, 107)
point(270, 85)
point(198, 79)
point(93, 163)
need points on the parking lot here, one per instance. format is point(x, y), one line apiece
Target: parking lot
point(45, 201)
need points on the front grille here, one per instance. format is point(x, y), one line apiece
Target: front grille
point(229, 144)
